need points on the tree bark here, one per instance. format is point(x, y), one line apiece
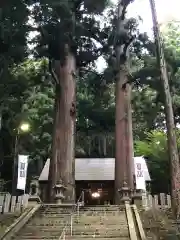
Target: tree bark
point(15, 165)
point(120, 134)
point(123, 156)
point(129, 138)
point(171, 131)
point(62, 166)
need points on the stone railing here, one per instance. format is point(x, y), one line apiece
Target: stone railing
point(160, 201)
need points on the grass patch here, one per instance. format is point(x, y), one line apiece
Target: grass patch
point(6, 220)
point(159, 224)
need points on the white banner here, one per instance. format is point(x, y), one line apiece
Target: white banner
point(22, 171)
point(140, 173)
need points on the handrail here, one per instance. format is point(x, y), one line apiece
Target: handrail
point(138, 223)
point(63, 234)
point(77, 205)
point(81, 197)
point(20, 222)
point(78, 202)
point(130, 222)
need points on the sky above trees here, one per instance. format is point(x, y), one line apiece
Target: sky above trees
point(165, 11)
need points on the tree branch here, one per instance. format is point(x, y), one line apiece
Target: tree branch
point(53, 74)
point(90, 71)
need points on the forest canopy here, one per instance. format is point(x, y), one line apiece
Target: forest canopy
point(27, 85)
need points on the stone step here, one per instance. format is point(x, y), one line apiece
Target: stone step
point(59, 216)
point(100, 213)
point(100, 210)
point(88, 238)
point(43, 228)
point(70, 238)
point(53, 213)
point(88, 223)
point(34, 237)
point(100, 237)
point(47, 208)
point(92, 236)
point(39, 233)
point(58, 206)
point(103, 222)
point(95, 226)
point(103, 233)
point(56, 211)
point(104, 206)
point(103, 216)
point(50, 211)
point(47, 223)
point(52, 216)
point(91, 219)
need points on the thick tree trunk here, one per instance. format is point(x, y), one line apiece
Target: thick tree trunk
point(120, 134)
point(62, 167)
point(171, 131)
point(123, 156)
point(129, 138)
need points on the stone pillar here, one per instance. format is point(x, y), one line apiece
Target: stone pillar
point(59, 192)
point(34, 195)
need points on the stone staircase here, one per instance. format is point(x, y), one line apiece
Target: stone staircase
point(47, 223)
point(65, 222)
point(102, 222)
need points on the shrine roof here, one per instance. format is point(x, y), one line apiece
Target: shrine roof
point(96, 169)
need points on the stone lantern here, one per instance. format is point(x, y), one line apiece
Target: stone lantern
point(138, 197)
point(34, 195)
point(125, 193)
point(59, 192)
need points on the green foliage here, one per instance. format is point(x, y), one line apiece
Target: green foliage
point(13, 32)
point(92, 6)
point(95, 102)
point(27, 92)
point(172, 38)
point(69, 22)
point(30, 98)
point(154, 148)
point(37, 107)
point(146, 111)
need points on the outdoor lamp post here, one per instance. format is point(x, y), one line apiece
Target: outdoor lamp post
point(23, 128)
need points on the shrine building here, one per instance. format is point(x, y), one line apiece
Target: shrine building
point(94, 176)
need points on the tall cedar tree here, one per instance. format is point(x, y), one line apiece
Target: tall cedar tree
point(123, 123)
point(69, 33)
